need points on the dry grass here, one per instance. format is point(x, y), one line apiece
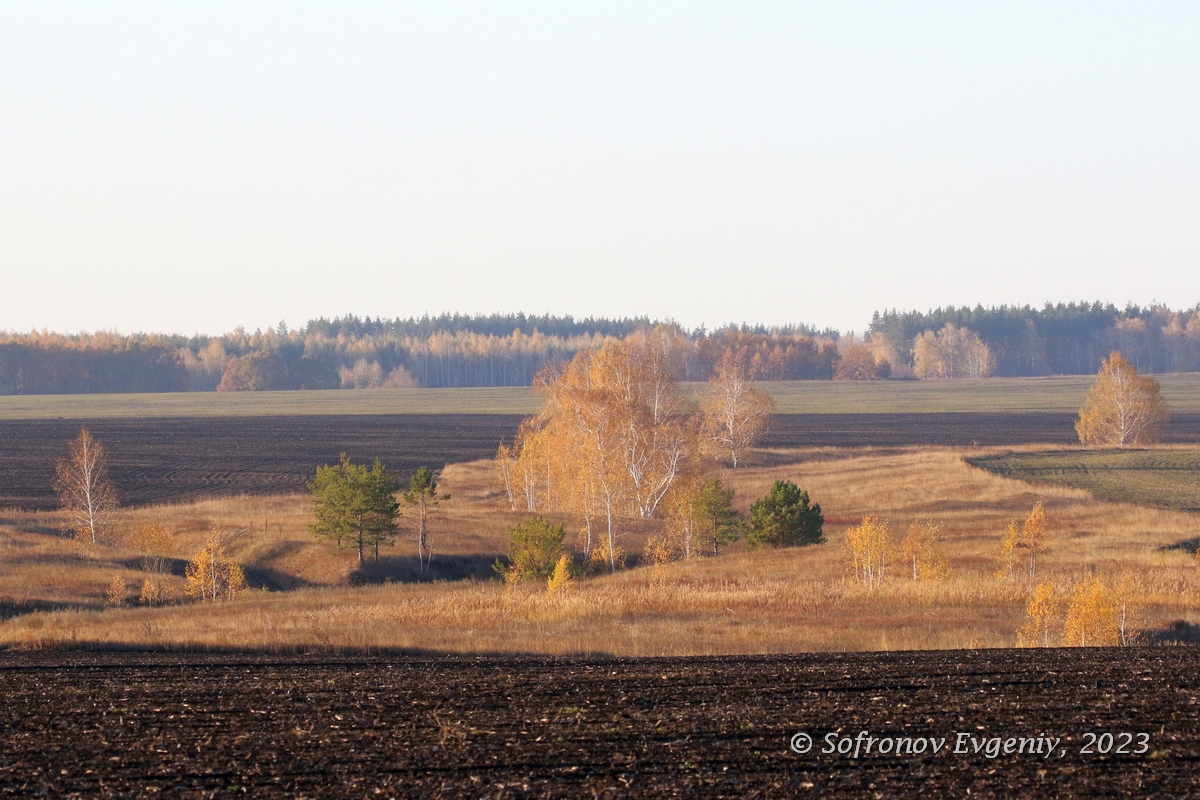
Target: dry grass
point(785, 601)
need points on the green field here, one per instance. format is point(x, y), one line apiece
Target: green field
point(1001, 395)
point(1162, 477)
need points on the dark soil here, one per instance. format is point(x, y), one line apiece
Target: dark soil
point(121, 725)
point(154, 460)
point(182, 458)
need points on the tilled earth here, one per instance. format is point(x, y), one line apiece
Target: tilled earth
point(122, 725)
point(172, 459)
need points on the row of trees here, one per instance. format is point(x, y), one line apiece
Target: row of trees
point(510, 350)
point(874, 555)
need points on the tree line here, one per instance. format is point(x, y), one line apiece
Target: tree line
point(1057, 339)
point(353, 353)
point(454, 350)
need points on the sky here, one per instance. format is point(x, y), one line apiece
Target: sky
point(193, 167)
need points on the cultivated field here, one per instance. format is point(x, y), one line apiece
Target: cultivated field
point(172, 459)
point(1167, 477)
point(105, 725)
point(1063, 395)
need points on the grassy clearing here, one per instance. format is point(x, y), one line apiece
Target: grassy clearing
point(1166, 477)
point(742, 602)
point(1000, 395)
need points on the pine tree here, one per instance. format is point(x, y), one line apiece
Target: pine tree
point(356, 505)
point(784, 518)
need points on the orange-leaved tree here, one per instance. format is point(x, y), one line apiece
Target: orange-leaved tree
point(82, 484)
point(952, 352)
point(1093, 618)
point(870, 546)
point(212, 574)
point(610, 440)
point(922, 553)
point(1122, 407)
point(1034, 536)
point(1041, 617)
point(1008, 550)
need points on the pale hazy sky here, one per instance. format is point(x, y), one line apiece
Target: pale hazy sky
point(196, 166)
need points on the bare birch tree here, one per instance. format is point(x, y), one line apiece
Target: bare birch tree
point(82, 484)
point(735, 413)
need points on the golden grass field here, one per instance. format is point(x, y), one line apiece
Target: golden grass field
point(740, 602)
point(1005, 395)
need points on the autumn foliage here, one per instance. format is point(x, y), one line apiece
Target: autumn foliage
point(952, 352)
point(871, 551)
point(614, 440)
point(735, 413)
point(1122, 408)
point(921, 551)
point(1024, 542)
point(212, 574)
point(1041, 617)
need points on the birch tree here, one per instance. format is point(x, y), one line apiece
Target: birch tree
point(610, 440)
point(212, 574)
point(422, 495)
point(735, 413)
point(1122, 407)
point(871, 551)
point(82, 484)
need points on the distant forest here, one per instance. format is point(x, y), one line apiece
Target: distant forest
point(454, 350)
point(1062, 339)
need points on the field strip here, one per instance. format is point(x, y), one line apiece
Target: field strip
point(990, 395)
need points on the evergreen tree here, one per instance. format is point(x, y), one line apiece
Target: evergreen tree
point(356, 505)
point(784, 518)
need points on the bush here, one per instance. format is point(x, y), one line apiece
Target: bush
point(784, 518)
point(534, 548)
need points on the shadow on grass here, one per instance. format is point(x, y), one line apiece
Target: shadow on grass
point(256, 577)
point(22, 525)
point(1178, 632)
point(407, 569)
point(1187, 545)
point(15, 608)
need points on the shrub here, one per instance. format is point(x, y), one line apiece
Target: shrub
point(534, 548)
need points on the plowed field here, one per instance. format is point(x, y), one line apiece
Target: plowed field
point(111, 725)
point(163, 459)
